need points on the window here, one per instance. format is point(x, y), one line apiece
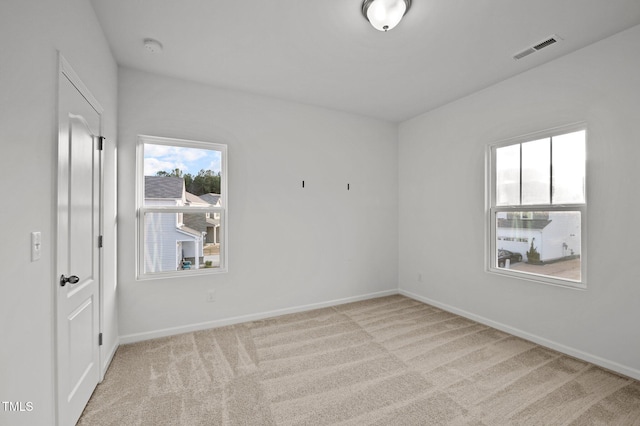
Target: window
point(181, 207)
point(537, 207)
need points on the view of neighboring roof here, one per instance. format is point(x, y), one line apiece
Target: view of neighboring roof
point(194, 199)
point(189, 231)
point(163, 187)
point(523, 223)
point(211, 198)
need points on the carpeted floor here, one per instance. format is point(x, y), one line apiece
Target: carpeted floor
point(387, 361)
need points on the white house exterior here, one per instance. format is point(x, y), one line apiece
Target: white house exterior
point(213, 221)
point(168, 241)
point(555, 235)
point(207, 223)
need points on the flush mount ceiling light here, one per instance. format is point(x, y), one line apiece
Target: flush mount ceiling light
point(153, 46)
point(385, 14)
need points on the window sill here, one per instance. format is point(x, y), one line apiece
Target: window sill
point(540, 279)
point(182, 274)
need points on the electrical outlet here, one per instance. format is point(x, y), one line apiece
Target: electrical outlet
point(211, 295)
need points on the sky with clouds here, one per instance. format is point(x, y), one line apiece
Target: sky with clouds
point(189, 160)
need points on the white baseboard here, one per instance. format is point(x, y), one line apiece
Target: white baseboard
point(602, 362)
point(138, 337)
point(593, 359)
point(107, 361)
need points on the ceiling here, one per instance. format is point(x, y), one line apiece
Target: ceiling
point(325, 53)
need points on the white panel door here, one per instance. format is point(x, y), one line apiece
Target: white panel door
point(77, 281)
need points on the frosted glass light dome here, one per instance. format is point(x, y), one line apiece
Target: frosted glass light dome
point(385, 14)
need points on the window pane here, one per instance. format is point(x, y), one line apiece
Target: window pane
point(569, 168)
point(170, 245)
point(180, 175)
point(508, 175)
point(181, 206)
point(544, 243)
point(536, 172)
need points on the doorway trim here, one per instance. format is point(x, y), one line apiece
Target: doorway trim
point(66, 71)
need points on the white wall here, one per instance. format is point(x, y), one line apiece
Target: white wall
point(31, 32)
point(442, 185)
point(288, 247)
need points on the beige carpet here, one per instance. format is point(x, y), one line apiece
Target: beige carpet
point(387, 361)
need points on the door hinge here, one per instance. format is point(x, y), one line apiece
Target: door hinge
point(100, 339)
point(101, 142)
point(100, 241)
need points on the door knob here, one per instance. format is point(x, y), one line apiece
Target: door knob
point(73, 279)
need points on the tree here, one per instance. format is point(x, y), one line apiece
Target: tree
point(175, 173)
point(533, 256)
point(188, 180)
point(205, 182)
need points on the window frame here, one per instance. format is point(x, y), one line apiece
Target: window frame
point(492, 209)
point(141, 209)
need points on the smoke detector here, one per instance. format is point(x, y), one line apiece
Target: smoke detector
point(548, 41)
point(153, 46)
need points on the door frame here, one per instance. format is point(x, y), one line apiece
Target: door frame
point(65, 71)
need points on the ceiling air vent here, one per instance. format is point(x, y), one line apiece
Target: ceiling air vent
point(539, 46)
point(524, 53)
point(546, 43)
